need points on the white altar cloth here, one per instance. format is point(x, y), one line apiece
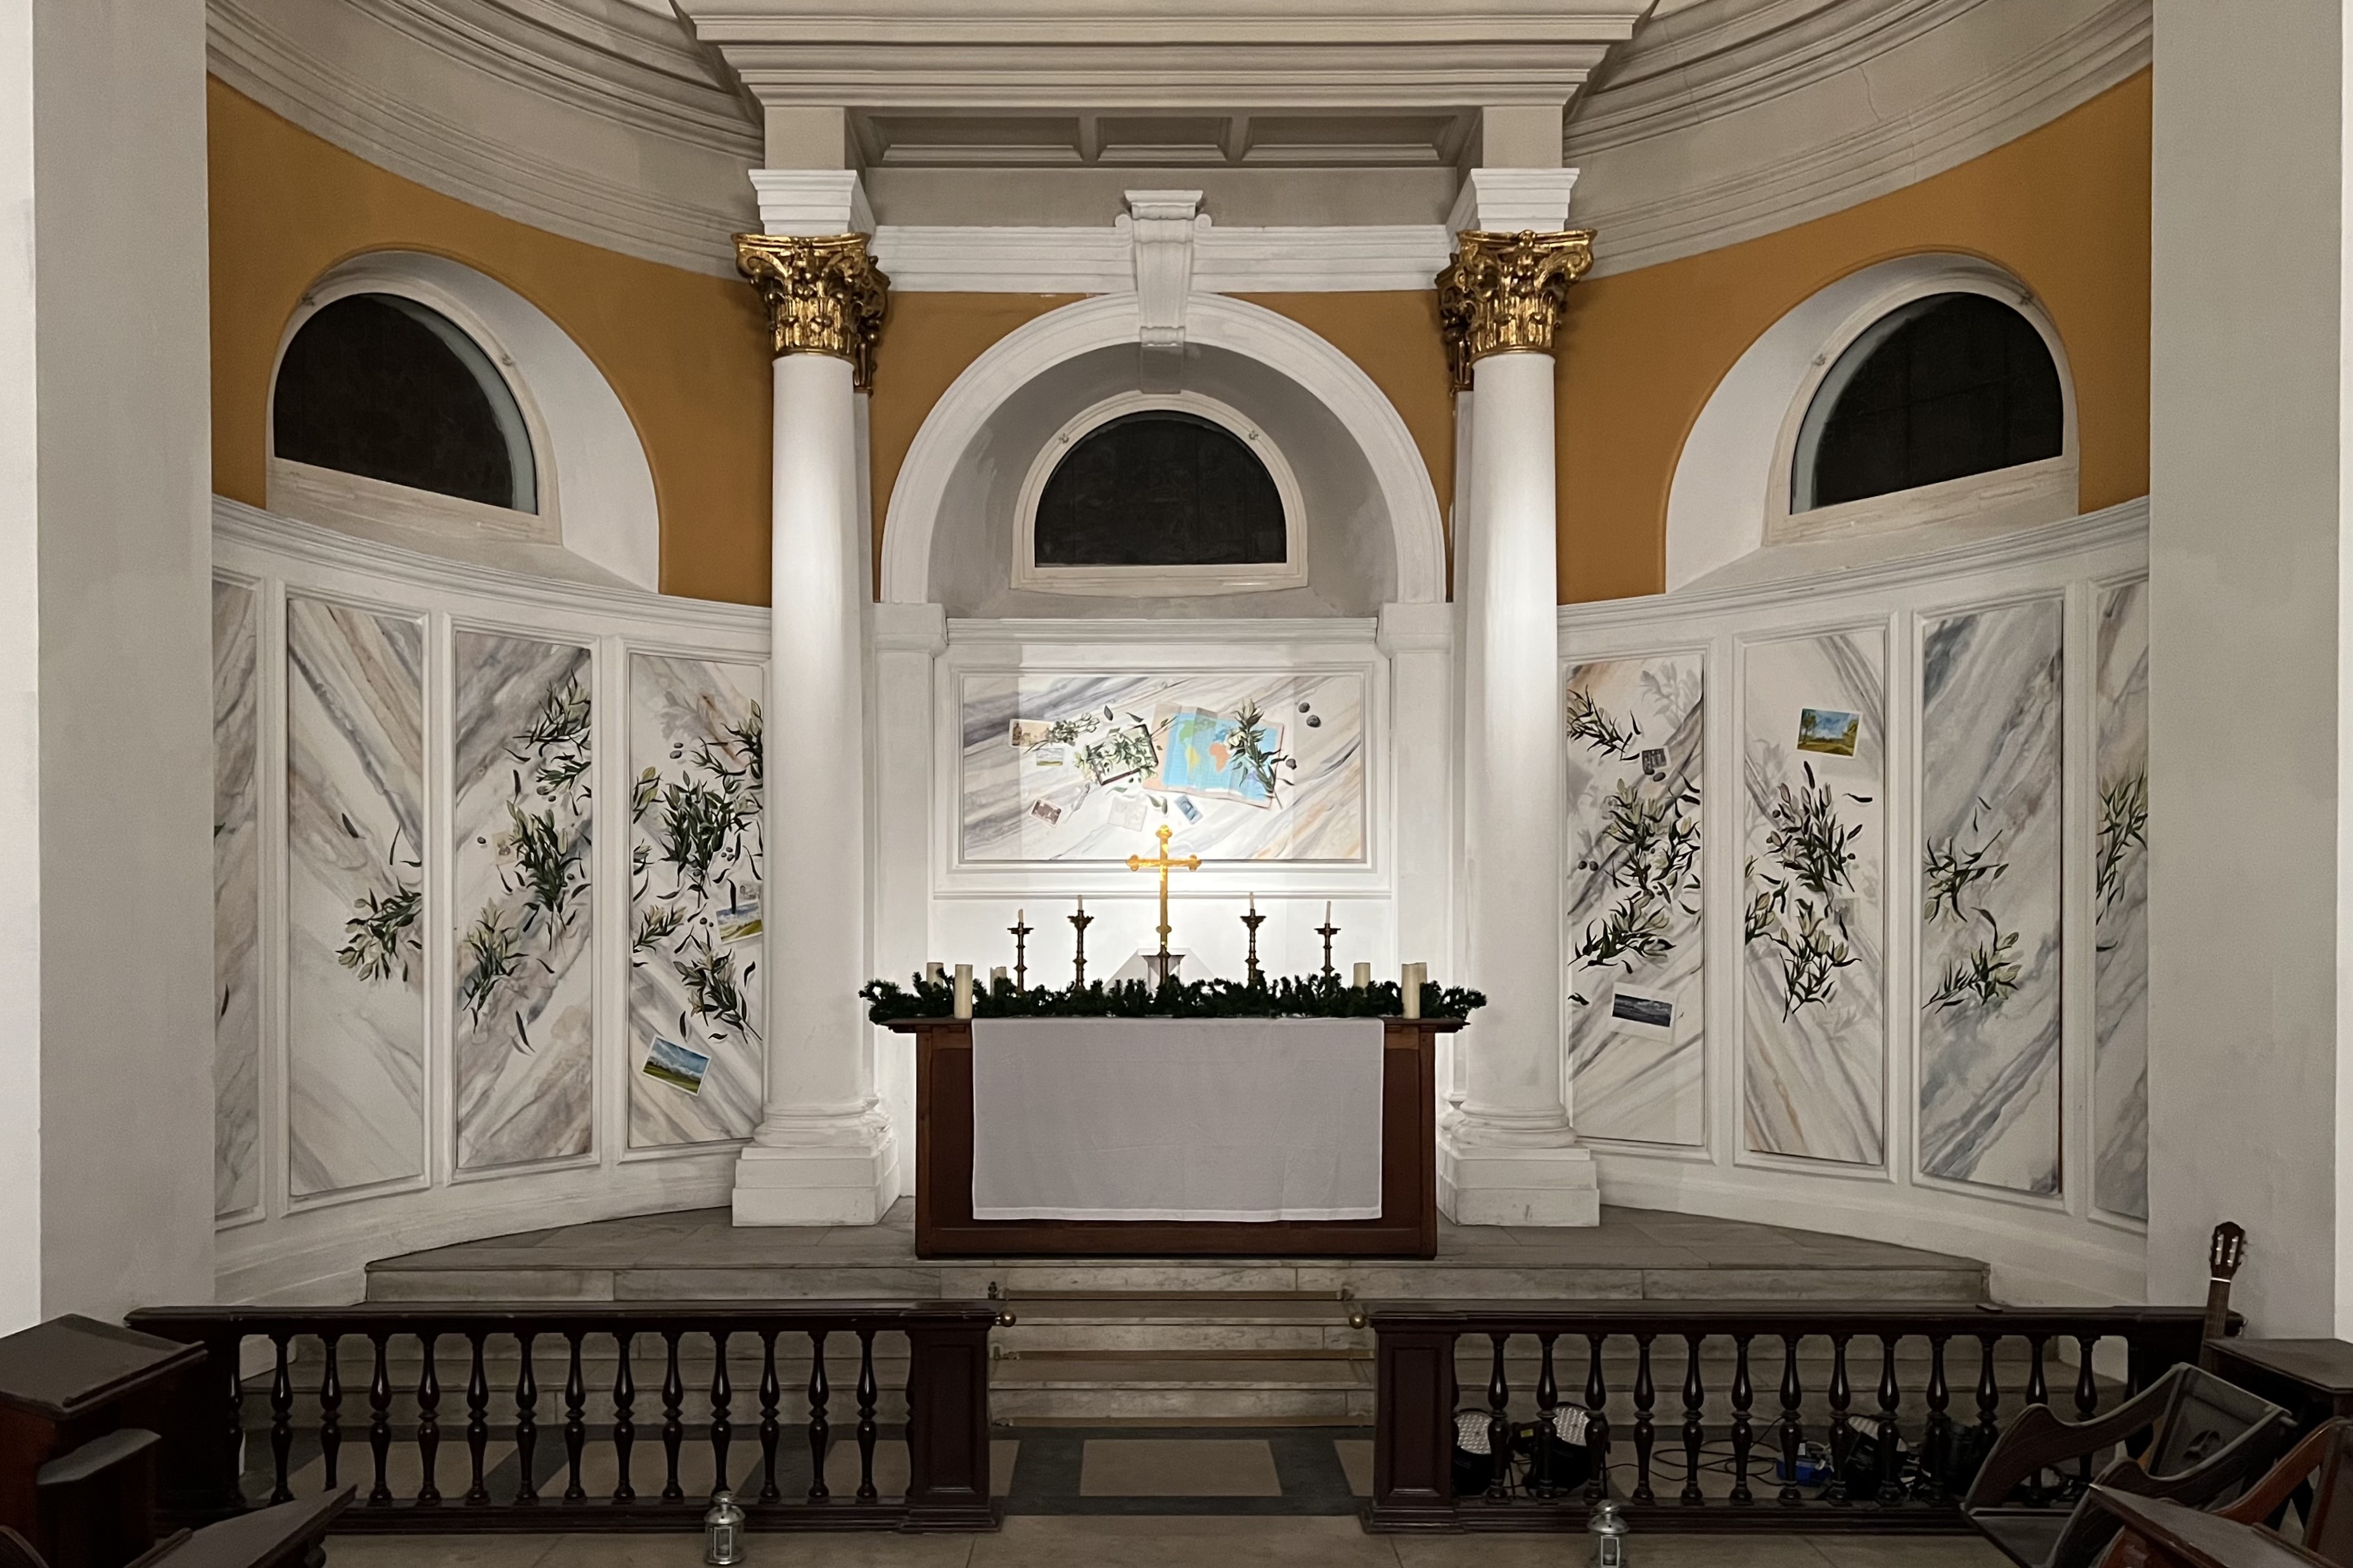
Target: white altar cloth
point(1177, 1119)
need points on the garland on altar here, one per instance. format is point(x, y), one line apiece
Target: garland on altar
point(1303, 996)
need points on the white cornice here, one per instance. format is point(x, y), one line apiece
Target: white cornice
point(515, 141)
point(1736, 117)
point(949, 259)
point(2120, 526)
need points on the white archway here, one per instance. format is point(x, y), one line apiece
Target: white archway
point(1211, 321)
point(1732, 474)
point(595, 486)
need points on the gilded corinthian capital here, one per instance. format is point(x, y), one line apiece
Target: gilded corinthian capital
point(1502, 293)
point(823, 295)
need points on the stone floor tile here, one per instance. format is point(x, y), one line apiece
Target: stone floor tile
point(1178, 1467)
point(803, 1549)
point(1908, 1551)
point(1565, 1552)
point(1356, 1459)
point(443, 1551)
point(1128, 1541)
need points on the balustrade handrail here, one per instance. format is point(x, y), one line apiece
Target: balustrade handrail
point(203, 1461)
point(1883, 1457)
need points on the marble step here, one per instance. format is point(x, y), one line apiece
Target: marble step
point(1112, 1390)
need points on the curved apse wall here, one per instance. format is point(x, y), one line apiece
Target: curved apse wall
point(451, 914)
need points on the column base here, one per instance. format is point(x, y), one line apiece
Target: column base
point(805, 1183)
point(1500, 1184)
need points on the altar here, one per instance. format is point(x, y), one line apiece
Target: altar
point(1182, 1137)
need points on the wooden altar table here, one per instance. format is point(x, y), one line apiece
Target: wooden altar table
point(1407, 1225)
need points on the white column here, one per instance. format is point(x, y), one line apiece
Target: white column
point(908, 641)
point(824, 1152)
point(1508, 1156)
point(2251, 855)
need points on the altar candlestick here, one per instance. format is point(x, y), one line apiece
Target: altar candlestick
point(963, 990)
point(1363, 976)
point(1410, 980)
point(1252, 921)
point(1078, 923)
point(935, 973)
point(1019, 931)
point(1328, 931)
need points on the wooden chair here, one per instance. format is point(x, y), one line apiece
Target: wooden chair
point(2207, 1438)
point(2317, 1475)
point(290, 1536)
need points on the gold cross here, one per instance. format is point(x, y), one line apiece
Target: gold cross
point(1164, 863)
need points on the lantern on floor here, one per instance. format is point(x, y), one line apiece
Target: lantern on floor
point(723, 1530)
point(1607, 1528)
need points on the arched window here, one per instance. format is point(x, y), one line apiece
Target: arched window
point(389, 389)
point(1941, 388)
point(1165, 495)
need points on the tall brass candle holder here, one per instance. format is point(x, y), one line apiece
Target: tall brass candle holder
point(1253, 921)
point(1019, 931)
point(1078, 923)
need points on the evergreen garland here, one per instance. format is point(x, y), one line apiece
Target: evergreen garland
point(1306, 997)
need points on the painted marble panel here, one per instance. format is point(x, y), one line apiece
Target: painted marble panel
point(695, 861)
point(237, 899)
point(2120, 891)
point(1062, 767)
point(1633, 898)
point(1813, 774)
point(526, 968)
point(1991, 817)
point(354, 890)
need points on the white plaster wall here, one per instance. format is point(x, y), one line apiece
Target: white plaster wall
point(125, 652)
point(20, 690)
point(290, 1247)
point(2248, 891)
point(2057, 1248)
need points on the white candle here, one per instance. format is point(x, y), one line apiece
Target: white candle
point(1253, 903)
point(996, 974)
point(963, 990)
point(1411, 978)
point(1364, 976)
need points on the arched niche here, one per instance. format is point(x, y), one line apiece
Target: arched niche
point(598, 517)
point(1373, 530)
point(1731, 491)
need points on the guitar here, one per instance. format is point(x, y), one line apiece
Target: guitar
point(2223, 1255)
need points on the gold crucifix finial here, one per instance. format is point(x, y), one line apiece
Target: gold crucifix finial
point(1164, 863)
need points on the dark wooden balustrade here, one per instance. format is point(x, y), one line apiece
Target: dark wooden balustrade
point(592, 1422)
point(1757, 1391)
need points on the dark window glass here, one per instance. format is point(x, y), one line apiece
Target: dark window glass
point(1946, 386)
point(381, 386)
point(1160, 488)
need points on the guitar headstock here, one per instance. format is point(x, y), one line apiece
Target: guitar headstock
point(2228, 1251)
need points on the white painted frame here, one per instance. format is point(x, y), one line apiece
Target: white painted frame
point(1159, 582)
point(1730, 494)
point(2039, 1248)
point(594, 486)
point(1214, 320)
point(316, 1249)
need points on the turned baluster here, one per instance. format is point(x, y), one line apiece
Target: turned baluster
point(380, 1422)
point(477, 1422)
point(820, 1432)
point(1989, 1395)
point(1694, 1426)
point(281, 1420)
point(1841, 1430)
point(673, 1396)
point(625, 1427)
point(1889, 1483)
point(2087, 1393)
point(526, 1428)
point(575, 1419)
point(1645, 1434)
point(331, 1404)
point(772, 1394)
point(1597, 1425)
point(2038, 1392)
point(1793, 1431)
point(1936, 1432)
point(868, 1393)
point(428, 1423)
point(1548, 1401)
point(721, 1392)
point(1744, 1435)
point(1499, 1425)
